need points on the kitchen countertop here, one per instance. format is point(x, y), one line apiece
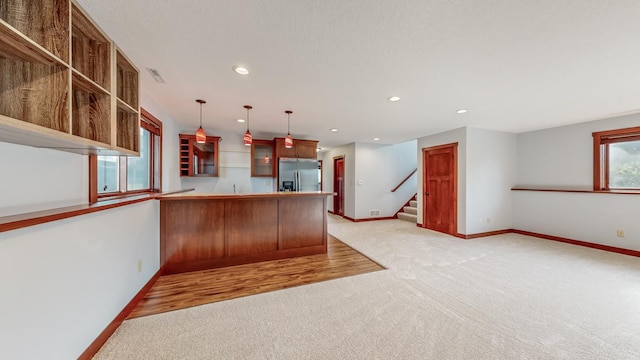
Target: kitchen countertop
point(277, 194)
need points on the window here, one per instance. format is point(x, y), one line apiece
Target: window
point(616, 159)
point(123, 175)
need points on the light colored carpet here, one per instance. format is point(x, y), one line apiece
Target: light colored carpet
point(501, 297)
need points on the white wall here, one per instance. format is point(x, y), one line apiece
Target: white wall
point(234, 169)
point(490, 175)
point(170, 144)
point(589, 217)
point(349, 153)
point(448, 137)
point(63, 282)
point(563, 157)
point(38, 179)
point(486, 174)
point(378, 169)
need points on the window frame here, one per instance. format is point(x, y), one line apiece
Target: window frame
point(601, 141)
point(154, 126)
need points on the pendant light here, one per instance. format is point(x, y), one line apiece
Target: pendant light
point(288, 141)
point(201, 136)
point(248, 139)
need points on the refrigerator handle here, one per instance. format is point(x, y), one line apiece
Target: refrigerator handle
point(297, 180)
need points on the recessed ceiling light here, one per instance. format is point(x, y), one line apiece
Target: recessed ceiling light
point(376, 139)
point(240, 120)
point(394, 98)
point(461, 111)
point(333, 130)
point(241, 70)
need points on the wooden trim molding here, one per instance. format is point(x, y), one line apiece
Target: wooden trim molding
point(14, 222)
point(118, 320)
point(601, 141)
point(369, 219)
point(404, 180)
point(579, 243)
point(576, 190)
point(483, 234)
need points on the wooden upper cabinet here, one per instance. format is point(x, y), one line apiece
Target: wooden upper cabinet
point(199, 159)
point(60, 81)
point(306, 149)
point(262, 158)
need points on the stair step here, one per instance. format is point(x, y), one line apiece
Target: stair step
point(413, 203)
point(410, 210)
point(408, 217)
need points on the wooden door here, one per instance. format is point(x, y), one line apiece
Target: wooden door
point(440, 184)
point(338, 185)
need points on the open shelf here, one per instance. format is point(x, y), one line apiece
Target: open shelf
point(35, 93)
point(16, 46)
point(128, 130)
point(91, 50)
point(59, 75)
point(127, 81)
point(91, 113)
point(46, 22)
point(185, 144)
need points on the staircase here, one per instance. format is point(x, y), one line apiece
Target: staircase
point(409, 211)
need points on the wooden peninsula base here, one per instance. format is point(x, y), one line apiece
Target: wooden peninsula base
point(204, 231)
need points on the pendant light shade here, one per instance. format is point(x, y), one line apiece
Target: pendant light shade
point(248, 139)
point(288, 141)
point(201, 136)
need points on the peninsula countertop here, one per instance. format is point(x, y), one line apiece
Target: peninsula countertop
point(220, 196)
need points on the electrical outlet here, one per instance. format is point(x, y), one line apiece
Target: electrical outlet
point(488, 220)
point(139, 265)
point(620, 233)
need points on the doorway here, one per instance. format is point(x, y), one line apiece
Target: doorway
point(338, 185)
point(440, 188)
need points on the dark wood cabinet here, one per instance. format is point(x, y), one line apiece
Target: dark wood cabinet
point(262, 158)
point(198, 159)
point(305, 149)
point(204, 231)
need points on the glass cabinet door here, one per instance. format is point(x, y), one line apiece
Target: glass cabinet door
point(262, 160)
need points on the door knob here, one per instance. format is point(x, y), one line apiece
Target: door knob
point(426, 193)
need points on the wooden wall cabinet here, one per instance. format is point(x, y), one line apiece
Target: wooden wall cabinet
point(60, 83)
point(306, 149)
point(198, 159)
point(262, 158)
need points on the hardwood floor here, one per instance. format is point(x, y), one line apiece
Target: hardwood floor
point(179, 291)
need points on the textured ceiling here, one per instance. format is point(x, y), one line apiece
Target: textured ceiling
point(516, 65)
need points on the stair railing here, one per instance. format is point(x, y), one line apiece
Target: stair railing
point(405, 180)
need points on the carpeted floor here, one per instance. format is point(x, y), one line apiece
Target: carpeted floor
point(501, 297)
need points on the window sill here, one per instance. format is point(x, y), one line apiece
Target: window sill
point(575, 190)
point(14, 222)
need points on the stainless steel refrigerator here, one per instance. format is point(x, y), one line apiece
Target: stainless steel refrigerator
point(298, 174)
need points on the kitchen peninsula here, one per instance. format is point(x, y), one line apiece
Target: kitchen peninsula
point(203, 231)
